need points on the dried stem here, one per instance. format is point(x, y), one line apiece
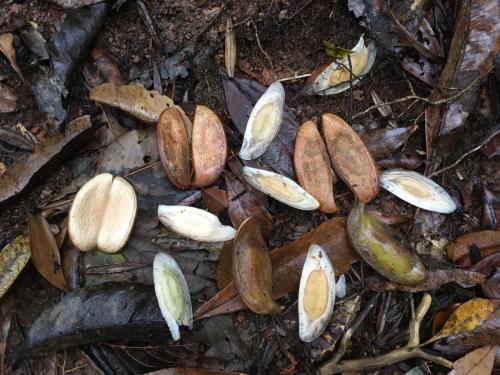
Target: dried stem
point(411, 350)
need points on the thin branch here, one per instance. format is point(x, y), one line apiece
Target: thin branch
point(262, 49)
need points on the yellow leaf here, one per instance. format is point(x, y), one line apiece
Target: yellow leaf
point(465, 318)
point(13, 258)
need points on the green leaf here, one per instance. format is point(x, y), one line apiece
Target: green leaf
point(334, 51)
point(13, 258)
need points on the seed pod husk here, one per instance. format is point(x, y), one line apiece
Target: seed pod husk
point(252, 271)
point(280, 188)
point(195, 223)
point(312, 166)
point(334, 78)
point(230, 48)
point(376, 244)
point(350, 158)
point(172, 294)
point(316, 294)
point(418, 190)
point(102, 214)
point(264, 122)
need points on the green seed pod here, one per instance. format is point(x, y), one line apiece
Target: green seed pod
point(376, 244)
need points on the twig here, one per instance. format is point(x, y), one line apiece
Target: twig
point(461, 158)
point(296, 12)
point(191, 199)
point(409, 351)
point(294, 78)
point(149, 24)
point(350, 90)
point(140, 169)
point(209, 24)
point(262, 49)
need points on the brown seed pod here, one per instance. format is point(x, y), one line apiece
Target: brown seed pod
point(252, 271)
point(350, 158)
point(208, 147)
point(312, 166)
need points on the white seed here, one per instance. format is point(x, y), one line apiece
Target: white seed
point(341, 287)
point(316, 294)
point(264, 122)
point(417, 190)
point(280, 188)
point(172, 294)
point(194, 223)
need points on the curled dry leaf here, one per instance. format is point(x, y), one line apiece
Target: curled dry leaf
point(252, 271)
point(280, 188)
point(102, 214)
point(7, 48)
point(350, 158)
point(172, 294)
point(13, 259)
point(334, 78)
point(264, 122)
point(312, 166)
point(230, 48)
point(376, 244)
point(45, 251)
point(477, 362)
point(487, 241)
point(194, 223)
point(8, 100)
point(316, 294)
point(417, 190)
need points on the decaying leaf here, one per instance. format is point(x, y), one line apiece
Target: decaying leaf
point(477, 362)
point(252, 272)
point(383, 142)
point(8, 50)
point(312, 166)
point(8, 100)
point(225, 265)
point(214, 199)
point(45, 252)
point(486, 333)
point(13, 258)
point(287, 262)
point(465, 318)
point(230, 49)
point(350, 158)
point(15, 138)
point(46, 155)
point(106, 67)
point(486, 241)
point(192, 371)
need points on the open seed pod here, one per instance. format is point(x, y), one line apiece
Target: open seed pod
point(316, 294)
point(252, 271)
point(208, 151)
point(376, 243)
point(280, 188)
point(195, 223)
point(417, 190)
point(102, 214)
point(334, 78)
point(172, 294)
point(264, 122)
point(350, 158)
point(312, 166)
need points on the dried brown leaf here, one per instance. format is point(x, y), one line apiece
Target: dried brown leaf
point(383, 142)
point(7, 48)
point(214, 199)
point(8, 100)
point(106, 67)
point(477, 362)
point(192, 371)
point(230, 48)
point(225, 265)
point(458, 250)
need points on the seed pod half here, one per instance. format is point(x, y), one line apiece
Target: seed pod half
point(252, 271)
point(230, 48)
point(350, 158)
point(194, 223)
point(334, 78)
point(102, 214)
point(172, 294)
point(376, 244)
point(280, 188)
point(316, 294)
point(417, 190)
point(264, 122)
point(312, 166)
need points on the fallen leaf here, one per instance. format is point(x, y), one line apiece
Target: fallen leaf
point(487, 333)
point(8, 100)
point(192, 371)
point(492, 149)
point(7, 48)
point(477, 362)
point(13, 138)
point(6, 313)
point(401, 161)
point(46, 155)
point(230, 48)
point(44, 251)
point(383, 142)
point(465, 318)
point(214, 199)
point(491, 208)
point(491, 288)
point(106, 67)
point(487, 265)
point(13, 258)
point(287, 262)
point(30, 35)
point(442, 316)
point(458, 250)
point(225, 265)
point(423, 69)
point(74, 3)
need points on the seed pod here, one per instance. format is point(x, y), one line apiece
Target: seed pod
point(264, 122)
point(350, 158)
point(194, 223)
point(316, 294)
point(334, 78)
point(172, 294)
point(208, 147)
point(230, 48)
point(376, 244)
point(418, 190)
point(280, 188)
point(252, 272)
point(312, 166)
point(102, 214)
